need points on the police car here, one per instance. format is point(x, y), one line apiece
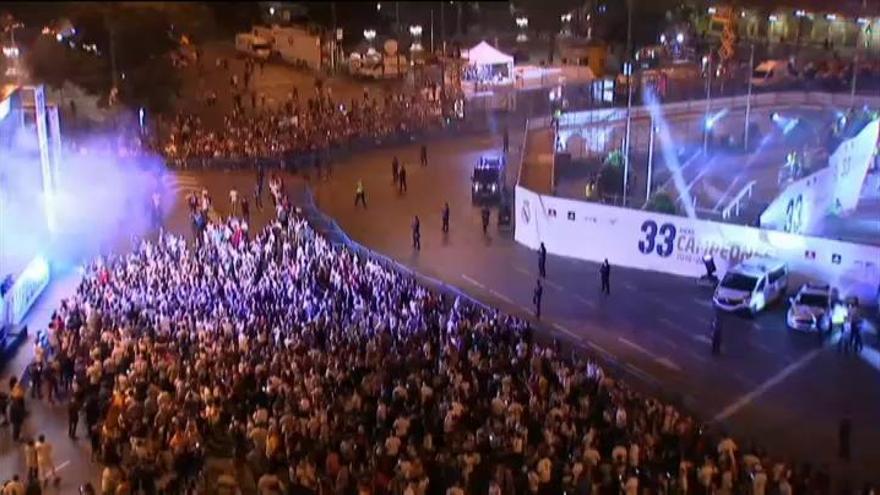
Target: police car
point(488, 179)
point(811, 309)
point(751, 285)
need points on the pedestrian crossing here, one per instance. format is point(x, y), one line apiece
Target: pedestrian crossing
point(181, 183)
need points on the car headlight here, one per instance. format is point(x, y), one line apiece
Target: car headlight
point(494, 187)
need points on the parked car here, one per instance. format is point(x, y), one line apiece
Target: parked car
point(810, 309)
point(752, 285)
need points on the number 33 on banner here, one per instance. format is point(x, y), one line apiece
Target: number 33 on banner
point(660, 239)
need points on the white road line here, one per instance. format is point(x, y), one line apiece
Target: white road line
point(586, 301)
point(566, 331)
point(701, 338)
point(635, 346)
point(62, 466)
point(469, 279)
point(668, 363)
point(761, 389)
point(662, 361)
point(705, 304)
point(763, 347)
point(554, 285)
point(601, 350)
point(669, 342)
point(500, 296)
point(527, 310)
point(522, 270)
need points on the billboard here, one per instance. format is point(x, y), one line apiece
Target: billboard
point(676, 245)
point(833, 190)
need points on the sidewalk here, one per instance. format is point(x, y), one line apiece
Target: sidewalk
point(71, 459)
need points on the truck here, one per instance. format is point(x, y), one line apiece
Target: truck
point(297, 45)
point(249, 45)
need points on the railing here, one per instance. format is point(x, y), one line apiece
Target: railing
point(522, 153)
point(733, 103)
point(734, 205)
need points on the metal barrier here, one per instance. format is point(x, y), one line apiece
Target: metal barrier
point(734, 205)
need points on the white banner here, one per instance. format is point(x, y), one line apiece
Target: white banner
point(676, 245)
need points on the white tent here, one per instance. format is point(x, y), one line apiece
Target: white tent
point(486, 54)
point(488, 64)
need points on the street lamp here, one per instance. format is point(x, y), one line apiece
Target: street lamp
point(416, 32)
point(679, 38)
point(523, 24)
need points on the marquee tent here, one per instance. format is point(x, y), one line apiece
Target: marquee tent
point(487, 62)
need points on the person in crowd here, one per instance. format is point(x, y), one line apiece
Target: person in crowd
point(423, 155)
point(537, 296)
point(484, 217)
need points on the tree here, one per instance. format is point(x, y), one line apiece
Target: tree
point(53, 63)
point(662, 203)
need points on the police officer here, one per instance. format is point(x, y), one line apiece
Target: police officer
point(542, 261)
point(401, 179)
point(395, 170)
point(446, 218)
point(416, 234)
point(485, 214)
point(605, 275)
point(359, 194)
point(506, 140)
point(536, 298)
point(423, 156)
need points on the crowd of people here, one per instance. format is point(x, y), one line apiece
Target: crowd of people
point(315, 124)
point(307, 367)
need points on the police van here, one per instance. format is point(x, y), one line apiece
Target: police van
point(487, 181)
point(752, 285)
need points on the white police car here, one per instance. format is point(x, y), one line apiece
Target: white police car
point(751, 285)
point(810, 309)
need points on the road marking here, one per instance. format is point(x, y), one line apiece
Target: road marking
point(469, 279)
point(500, 296)
point(705, 304)
point(554, 285)
point(62, 466)
point(566, 331)
point(763, 347)
point(761, 389)
point(635, 346)
point(527, 310)
point(522, 270)
point(701, 338)
point(586, 301)
point(629, 286)
point(667, 341)
point(668, 363)
point(601, 350)
point(662, 361)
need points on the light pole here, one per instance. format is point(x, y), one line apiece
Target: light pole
point(749, 97)
point(627, 70)
point(432, 31)
point(522, 23)
point(416, 32)
point(650, 161)
point(706, 125)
